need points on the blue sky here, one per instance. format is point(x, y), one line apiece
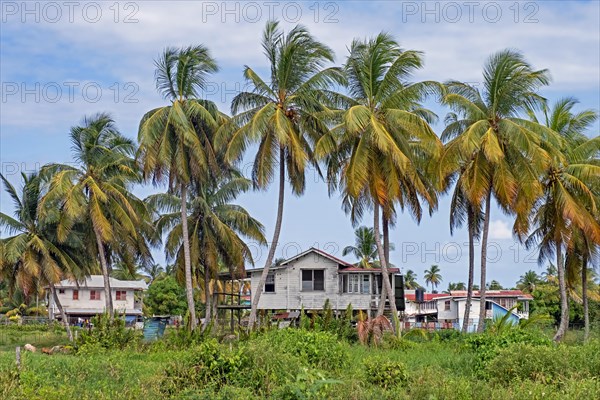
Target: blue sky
point(61, 61)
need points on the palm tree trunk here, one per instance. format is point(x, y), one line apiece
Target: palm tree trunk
point(271, 255)
point(584, 295)
point(189, 287)
point(384, 271)
point(207, 299)
point(105, 275)
point(386, 251)
point(484, 241)
point(564, 300)
point(471, 223)
point(63, 315)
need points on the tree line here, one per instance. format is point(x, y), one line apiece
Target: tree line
point(363, 125)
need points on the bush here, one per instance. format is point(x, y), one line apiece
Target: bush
point(487, 345)
point(207, 365)
point(524, 361)
point(316, 349)
point(385, 373)
point(106, 334)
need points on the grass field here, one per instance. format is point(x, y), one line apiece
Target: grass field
point(299, 364)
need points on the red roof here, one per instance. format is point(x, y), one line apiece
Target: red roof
point(493, 293)
point(427, 296)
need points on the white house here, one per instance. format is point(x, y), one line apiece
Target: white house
point(313, 276)
point(448, 309)
point(86, 299)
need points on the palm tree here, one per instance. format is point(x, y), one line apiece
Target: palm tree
point(34, 254)
point(215, 228)
point(549, 275)
point(528, 281)
point(282, 116)
point(461, 209)
point(579, 256)
point(383, 140)
point(175, 144)
point(569, 198)
point(410, 280)
point(433, 276)
point(126, 273)
point(452, 286)
point(365, 248)
point(152, 272)
point(95, 190)
point(499, 153)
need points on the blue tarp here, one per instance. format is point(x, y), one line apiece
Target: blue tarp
point(154, 328)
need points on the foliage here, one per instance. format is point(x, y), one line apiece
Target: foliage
point(385, 373)
point(165, 297)
point(317, 349)
point(487, 345)
point(207, 364)
point(105, 334)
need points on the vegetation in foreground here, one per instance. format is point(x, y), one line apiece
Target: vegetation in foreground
point(320, 360)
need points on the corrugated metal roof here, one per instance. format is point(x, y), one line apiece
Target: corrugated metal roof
point(97, 281)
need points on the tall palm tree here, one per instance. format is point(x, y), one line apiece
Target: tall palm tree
point(34, 254)
point(216, 228)
point(569, 200)
point(410, 280)
point(580, 256)
point(152, 272)
point(499, 153)
point(365, 248)
point(433, 276)
point(96, 190)
point(282, 116)
point(175, 144)
point(452, 286)
point(383, 141)
point(528, 281)
point(461, 209)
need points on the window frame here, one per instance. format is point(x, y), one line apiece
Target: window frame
point(312, 281)
point(95, 295)
point(270, 275)
point(122, 297)
point(447, 305)
point(61, 291)
point(75, 294)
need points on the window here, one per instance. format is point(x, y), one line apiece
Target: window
point(270, 283)
point(313, 279)
point(75, 294)
point(121, 295)
point(353, 281)
point(447, 305)
point(364, 287)
point(356, 283)
point(94, 295)
point(61, 291)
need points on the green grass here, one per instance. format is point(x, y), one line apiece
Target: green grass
point(13, 336)
point(271, 367)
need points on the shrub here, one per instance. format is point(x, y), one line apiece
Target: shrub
point(207, 365)
point(487, 345)
point(317, 349)
point(524, 361)
point(309, 384)
point(106, 334)
point(385, 373)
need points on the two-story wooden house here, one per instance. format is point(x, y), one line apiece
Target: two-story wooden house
point(313, 276)
point(82, 300)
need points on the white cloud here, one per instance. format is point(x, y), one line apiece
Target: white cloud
point(500, 230)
